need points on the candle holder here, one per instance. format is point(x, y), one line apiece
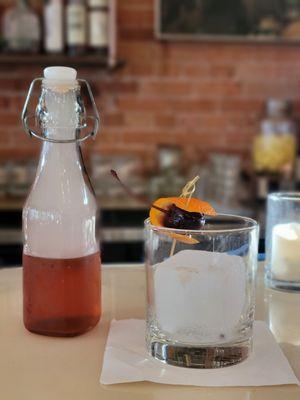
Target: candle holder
point(200, 292)
point(283, 241)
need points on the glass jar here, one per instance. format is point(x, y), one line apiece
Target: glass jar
point(283, 241)
point(274, 148)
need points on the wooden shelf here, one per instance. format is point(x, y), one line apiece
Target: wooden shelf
point(44, 60)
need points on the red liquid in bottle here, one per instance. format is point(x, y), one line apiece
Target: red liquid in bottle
point(61, 297)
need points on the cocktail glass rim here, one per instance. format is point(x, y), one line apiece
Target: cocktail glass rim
point(252, 224)
point(284, 196)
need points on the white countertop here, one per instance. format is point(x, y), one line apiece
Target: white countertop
point(34, 367)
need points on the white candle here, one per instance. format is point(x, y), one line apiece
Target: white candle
point(285, 259)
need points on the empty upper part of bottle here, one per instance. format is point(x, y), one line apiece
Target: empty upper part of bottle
point(59, 217)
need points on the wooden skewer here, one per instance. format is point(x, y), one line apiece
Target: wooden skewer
point(187, 192)
point(172, 248)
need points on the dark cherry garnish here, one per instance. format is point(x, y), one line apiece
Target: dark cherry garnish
point(177, 218)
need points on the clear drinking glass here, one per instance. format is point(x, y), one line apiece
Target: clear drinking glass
point(283, 241)
point(200, 292)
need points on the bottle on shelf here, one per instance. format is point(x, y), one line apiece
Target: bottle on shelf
point(53, 26)
point(274, 149)
point(76, 26)
point(98, 34)
point(21, 28)
point(61, 256)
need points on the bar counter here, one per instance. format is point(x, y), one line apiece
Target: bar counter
point(34, 367)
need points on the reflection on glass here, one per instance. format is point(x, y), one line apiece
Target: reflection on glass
point(284, 316)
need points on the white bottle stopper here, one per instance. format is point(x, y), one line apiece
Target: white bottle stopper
point(60, 73)
point(60, 79)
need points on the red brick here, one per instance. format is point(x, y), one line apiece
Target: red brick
point(191, 105)
point(136, 18)
point(145, 34)
point(139, 69)
point(263, 89)
point(4, 102)
point(222, 71)
point(8, 84)
point(167, 88)
point(10, 120)
point(105, 137)
point(135, 4)
point(21, 140)
point(141, 51)
point(139, 120)
point(117, 86)
point(130, 103)
point(165, 120)
point(6, 139)
point(238, 105)
point(112, 119)
point(154, 137)
point(217, 89)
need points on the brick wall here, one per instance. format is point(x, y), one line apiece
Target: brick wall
point(200, 96)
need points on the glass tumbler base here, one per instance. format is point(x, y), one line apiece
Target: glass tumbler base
point(286, 286)
point(200, 356)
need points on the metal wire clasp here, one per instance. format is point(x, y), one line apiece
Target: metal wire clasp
point(27, 117)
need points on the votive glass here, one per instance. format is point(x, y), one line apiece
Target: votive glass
point(283, 241)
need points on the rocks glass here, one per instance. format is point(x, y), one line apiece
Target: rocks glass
point(283, 241)
point(200, 292)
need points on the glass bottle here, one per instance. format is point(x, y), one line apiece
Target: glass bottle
point(98, 14)
point(21, 28)
point(76, 26)
point(53, 26)
point(61, 258)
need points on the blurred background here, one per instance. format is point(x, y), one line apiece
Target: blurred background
point(184, 88)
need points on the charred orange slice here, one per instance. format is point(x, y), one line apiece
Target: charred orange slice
point(157, 215)
point(194, 205)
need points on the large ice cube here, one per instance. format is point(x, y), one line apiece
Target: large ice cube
point(200, 295)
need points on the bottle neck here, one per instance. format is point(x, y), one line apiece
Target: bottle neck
point(60, 134)
point(60, 113)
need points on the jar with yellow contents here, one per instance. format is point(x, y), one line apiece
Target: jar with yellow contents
point(274, 148)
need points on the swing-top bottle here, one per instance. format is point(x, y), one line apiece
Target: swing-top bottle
point(61, 257)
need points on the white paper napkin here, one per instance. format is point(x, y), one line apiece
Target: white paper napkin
point(126, 360)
